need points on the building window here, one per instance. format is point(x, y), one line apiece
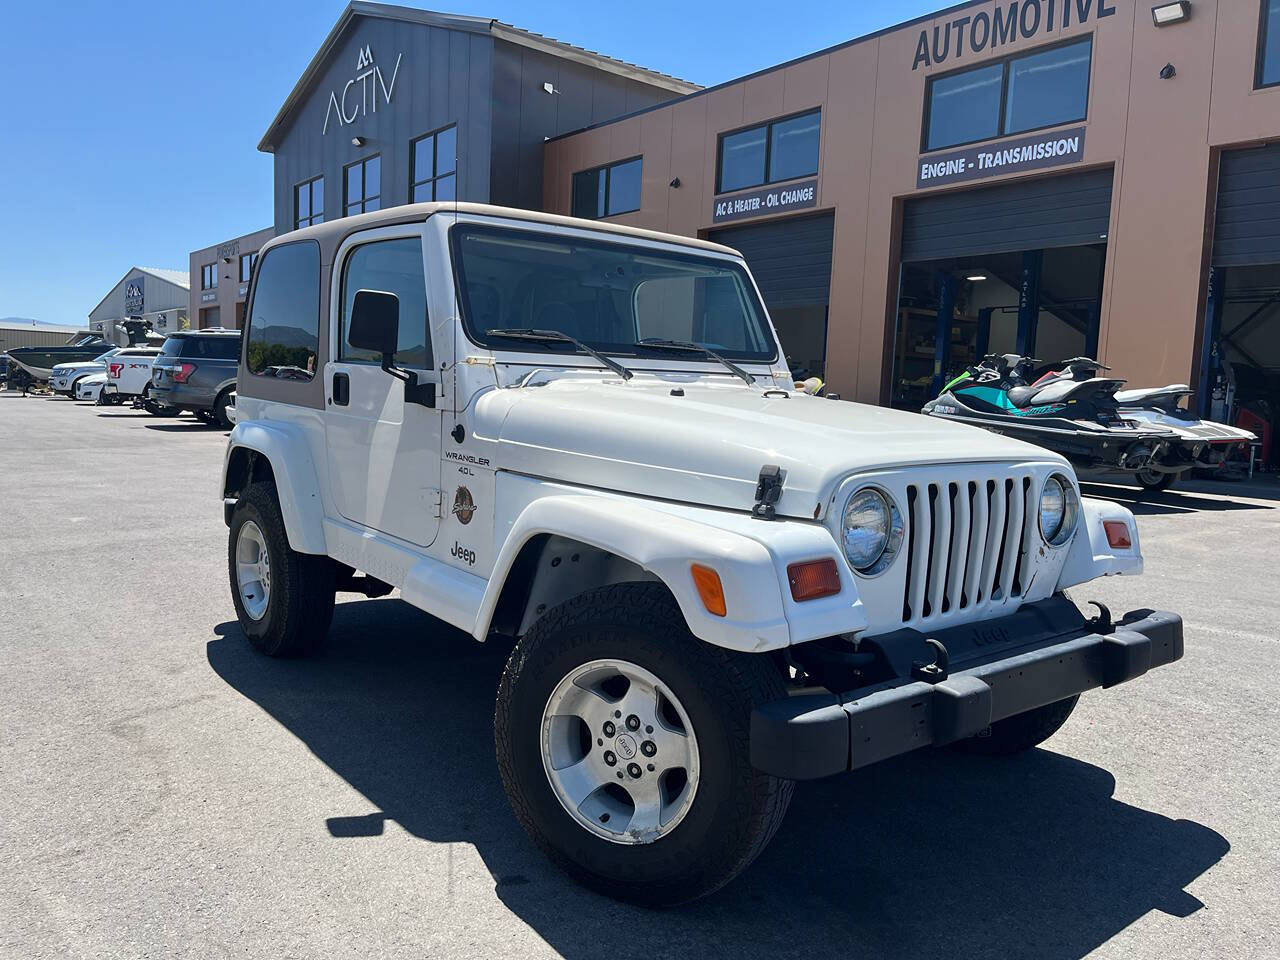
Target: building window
point(1016, 95)
point(769, 153)
point(1269, 44)
point(308, 203)
point(607, 191)
point(362, 186)
point(247, 263)
point(434, 172)
point(284, 316)
point(209, 276)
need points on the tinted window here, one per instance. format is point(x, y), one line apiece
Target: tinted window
point(607, 191)
point(965, 107)
point(1048, 88)
point(742, 159)
point(772, 152)
point(1038, 90)
point(435, 166)
point(208, 347)
point(284, 315)
point(363, 186)
point(391, 266)
point(1269, 45)
point(308, 203)
point(610, 295)
point(793, 148)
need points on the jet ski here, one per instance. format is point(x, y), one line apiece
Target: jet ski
point(1069, 411)
point(1202, 444)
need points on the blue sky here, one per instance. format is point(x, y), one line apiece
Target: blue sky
point(130, 128)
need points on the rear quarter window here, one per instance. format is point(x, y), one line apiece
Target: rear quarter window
point(284, 315)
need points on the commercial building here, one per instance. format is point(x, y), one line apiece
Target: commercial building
point(1052, 177)
point(219, 280)
point(150, 294)
point(402, 104)
point(14, 335)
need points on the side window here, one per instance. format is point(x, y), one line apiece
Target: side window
point(391, 266)
point(284, 324)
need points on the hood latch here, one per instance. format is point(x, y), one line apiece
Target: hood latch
point(768, 491)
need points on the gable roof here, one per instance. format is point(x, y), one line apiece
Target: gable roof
point(463, 24)
point(179, 278)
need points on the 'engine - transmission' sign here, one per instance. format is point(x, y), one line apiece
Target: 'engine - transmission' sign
point(1007, 156)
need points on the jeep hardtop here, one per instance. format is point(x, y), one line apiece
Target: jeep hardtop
point(583, 440)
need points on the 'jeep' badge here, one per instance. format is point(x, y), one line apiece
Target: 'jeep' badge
point(464, 508)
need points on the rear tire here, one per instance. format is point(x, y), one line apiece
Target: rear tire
point(1021, 732)
point(298, 587)
point(1154, 481)
point(219, 413)
point(704, 837)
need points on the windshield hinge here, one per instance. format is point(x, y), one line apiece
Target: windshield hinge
point(434, 501)
point(768, 491)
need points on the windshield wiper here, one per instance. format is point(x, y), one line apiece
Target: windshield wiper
point(544, 336)
point(687, 346)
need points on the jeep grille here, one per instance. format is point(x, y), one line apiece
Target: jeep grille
point(967, 545)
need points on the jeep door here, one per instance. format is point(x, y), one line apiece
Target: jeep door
point(383, 452)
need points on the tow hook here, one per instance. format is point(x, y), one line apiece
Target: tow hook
point(1102, 622)
point(934, 672)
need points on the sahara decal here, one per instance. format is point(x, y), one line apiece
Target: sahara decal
point(464, 507)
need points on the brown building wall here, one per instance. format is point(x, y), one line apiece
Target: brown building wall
point(1161, 137)
point(230, 294)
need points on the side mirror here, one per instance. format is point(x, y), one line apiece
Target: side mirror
point(375, 323)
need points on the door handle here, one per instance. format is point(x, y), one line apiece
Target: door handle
point(341, 389)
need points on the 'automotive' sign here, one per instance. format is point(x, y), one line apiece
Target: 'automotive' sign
point(1006, 156)
point(766, 200)
point(1008, 22)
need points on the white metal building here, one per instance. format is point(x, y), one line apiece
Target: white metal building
point(144, 293)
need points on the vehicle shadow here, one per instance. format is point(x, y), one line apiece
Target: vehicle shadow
point(185, 426)
point(1144, 503)
point(935, 854)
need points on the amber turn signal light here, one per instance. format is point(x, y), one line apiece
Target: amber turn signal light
point(709, 589)
point(813, 579)
point(1117, 534)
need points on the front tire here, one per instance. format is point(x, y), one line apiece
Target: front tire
point(220, 410)
point(1022, 731)
point(283, 599)
point(622, 742)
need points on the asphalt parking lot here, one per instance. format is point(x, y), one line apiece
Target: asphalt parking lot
point(167, 792)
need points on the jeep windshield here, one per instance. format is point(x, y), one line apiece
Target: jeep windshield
point(612, 296)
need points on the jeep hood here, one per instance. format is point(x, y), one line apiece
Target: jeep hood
point(707, 446)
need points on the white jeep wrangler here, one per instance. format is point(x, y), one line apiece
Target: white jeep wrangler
point(585, 439)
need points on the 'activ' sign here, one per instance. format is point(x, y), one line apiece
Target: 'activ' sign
point(356, 103)
point(766, 200)
point(1005, 156)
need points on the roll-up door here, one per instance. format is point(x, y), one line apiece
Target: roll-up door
point(790, 259)
point(1247, 225)
point(1037, 214)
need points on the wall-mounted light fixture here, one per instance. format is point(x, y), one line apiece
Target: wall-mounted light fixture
point(1168, 72)
point(1166, 14)
point(549, 88)
point(675, 183)
point(976, 277)
point(359, 141)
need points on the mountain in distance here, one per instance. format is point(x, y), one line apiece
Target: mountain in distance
point(32, 322)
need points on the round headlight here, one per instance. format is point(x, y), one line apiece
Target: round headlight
point(871, 531)
point(1058, 510)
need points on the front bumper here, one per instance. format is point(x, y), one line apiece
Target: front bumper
point(1044, 653)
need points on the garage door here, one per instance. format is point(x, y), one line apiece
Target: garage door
point(1064, 211)
point(790, 259)
point(1247, 225)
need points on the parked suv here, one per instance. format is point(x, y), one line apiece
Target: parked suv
point(585, 439)
point(196, 371)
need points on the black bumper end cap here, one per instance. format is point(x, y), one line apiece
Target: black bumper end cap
point(800, 738)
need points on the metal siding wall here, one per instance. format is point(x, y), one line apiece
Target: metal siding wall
point(1061, 211)
point(790, 259)
point(1247, 225)
point(445, 77)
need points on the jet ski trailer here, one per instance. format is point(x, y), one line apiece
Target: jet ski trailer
point(1070, 412)
point(1202, 443)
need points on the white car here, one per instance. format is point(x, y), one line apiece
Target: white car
point(90, 387)
point(585, 439)
point(64, 377)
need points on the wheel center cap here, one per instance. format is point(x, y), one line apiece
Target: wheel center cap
point(626, 745)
